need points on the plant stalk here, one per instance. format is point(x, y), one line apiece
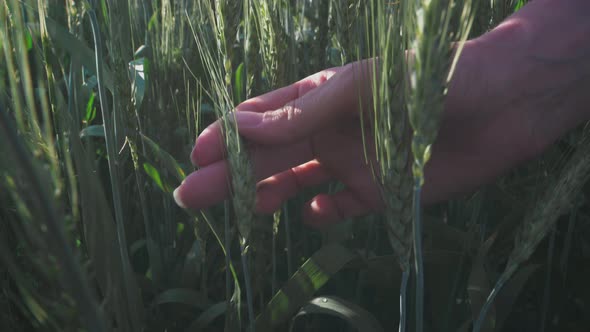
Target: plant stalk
point(418, 257)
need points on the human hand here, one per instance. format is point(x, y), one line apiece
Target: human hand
point(298, 136)
point(309, 133)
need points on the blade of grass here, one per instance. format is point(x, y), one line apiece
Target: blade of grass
point(72, 274)
point(353, 314)
point(131, 299)
point(309, 278)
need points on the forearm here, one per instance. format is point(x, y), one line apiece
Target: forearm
point(537, 63)
point(516, 90)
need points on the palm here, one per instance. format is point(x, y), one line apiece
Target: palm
point(340, 151)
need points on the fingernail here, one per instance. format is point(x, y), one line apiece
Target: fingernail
point(248, 119)
point(177, 199)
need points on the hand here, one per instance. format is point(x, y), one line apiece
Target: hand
point(309, 133)
point(298, 136)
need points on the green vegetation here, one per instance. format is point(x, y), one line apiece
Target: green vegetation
point(100, 104)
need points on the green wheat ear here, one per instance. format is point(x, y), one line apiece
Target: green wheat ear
point(407, 107)
point(388, 117)
point(218, 61)
point(431, 28)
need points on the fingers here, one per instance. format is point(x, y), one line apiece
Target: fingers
point(203, 188)
point(272, 192)
point(324, 210)
point(302, 109)
point(279, 97)
point(210, 184)
point(209, 146)
point(327, 104)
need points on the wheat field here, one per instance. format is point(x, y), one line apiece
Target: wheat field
point(100, 105)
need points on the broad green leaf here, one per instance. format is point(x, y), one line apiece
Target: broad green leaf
point(153, 173)
point(167, 160)
point(207, 317)
point(77, 49)
point(90, 82)
point(90, 109)
point(354, 315)
point(105, 11)
point(310, 277)
point(183, 296)
point(140, 52)
point(28, 40)
point(153, 21)
point(136, 246)
point(138, 71)
point(92, 131)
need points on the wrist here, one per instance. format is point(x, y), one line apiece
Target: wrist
point(515, 90)
point(538, 62)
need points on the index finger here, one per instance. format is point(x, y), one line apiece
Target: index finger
point(279, 97)
point(209, 146)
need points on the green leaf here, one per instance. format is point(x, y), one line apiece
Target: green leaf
point(167, 160)
point(208, 316)
point(90, 109)
point(77, 50)
point(354, 315)
point(310, 277)
point(28, 40)
point(153, 173)
point(141, 51)
point(519, 4)
point(92, 131)
point(182, 296)
point(101, 243)
point(105, 11)
point(239, 84)
point(153, 21)
point(138, 71)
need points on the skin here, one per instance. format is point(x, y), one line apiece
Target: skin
point(516, 89)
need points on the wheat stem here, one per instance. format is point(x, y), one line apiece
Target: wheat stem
point(491, 297)
point(403, 300)
point(248, 283)
point(555, 200)
point(418, 257)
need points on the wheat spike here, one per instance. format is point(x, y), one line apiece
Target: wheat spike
point(554, 202)
point(390, 128)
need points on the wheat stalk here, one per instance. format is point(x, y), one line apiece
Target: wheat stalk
point(391, 131)
point(224, 21)
point(346, 26)
point(407, 106)
point(430, 32)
